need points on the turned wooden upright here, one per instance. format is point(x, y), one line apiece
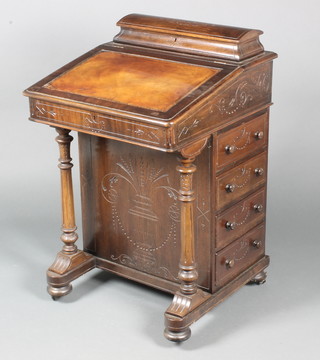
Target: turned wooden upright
point(172, 118)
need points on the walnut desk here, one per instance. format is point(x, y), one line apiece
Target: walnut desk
point(172, 120)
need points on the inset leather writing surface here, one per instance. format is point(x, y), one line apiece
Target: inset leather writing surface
point(139, 81)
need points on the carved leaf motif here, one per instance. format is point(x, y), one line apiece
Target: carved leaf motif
point(263, 81)
point(185, 130)
point(145, 180)
point(42, 110)
point(93, 123)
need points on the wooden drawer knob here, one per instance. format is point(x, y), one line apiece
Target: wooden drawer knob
point(257, 244)
point(259, 135)
point(230, 149)
point(229, 263)
point(230, 225)
point(259, 171)
point(258, 207)
point(230, 188)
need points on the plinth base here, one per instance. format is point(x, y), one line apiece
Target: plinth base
point(65, 269)
point(185, 310)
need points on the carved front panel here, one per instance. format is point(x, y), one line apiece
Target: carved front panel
point(135, 212)
point(99, 124)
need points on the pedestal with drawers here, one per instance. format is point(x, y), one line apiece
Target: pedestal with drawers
point(172, 118)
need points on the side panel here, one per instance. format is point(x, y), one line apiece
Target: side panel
point(246, 94)
point(131, 211)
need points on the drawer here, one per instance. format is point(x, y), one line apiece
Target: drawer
point(239, 142)
point(240, 180)
point(240, 218)
point(239, 255)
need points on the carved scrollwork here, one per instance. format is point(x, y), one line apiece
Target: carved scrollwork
point(241, 217)
point(241, 179)
point(146, 266)
point(242, 251)
point(241, 141)
point(240, 98)
point(93, 123)
point(123, 259)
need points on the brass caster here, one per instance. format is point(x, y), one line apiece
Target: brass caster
point(177, 336)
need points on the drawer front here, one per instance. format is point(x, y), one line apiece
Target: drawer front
point(235, 144)
point(98, 124)
point(239, 255)
point(240, 218)
point(240, 180)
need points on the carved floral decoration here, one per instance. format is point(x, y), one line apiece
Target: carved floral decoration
point(144, 184)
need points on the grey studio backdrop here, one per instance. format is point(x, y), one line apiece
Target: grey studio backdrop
point(108, 317)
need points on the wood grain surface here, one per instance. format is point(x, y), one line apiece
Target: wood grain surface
point(189, 219)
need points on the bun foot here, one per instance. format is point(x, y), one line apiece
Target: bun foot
point(177, 336)
point(57, 292)
point(259, 279)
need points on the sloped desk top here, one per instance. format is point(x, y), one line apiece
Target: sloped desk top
point(158, 95)
point(134, 80)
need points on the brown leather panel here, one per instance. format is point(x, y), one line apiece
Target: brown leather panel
point(133, 80)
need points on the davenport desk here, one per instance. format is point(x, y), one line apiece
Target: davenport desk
point(172, 120)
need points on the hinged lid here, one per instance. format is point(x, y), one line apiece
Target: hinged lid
point(217, 41)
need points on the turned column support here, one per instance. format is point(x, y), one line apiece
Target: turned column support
point(70, 262)
point(189, 296)
point(188, 274)
point(69, 235)
point(187, 267)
